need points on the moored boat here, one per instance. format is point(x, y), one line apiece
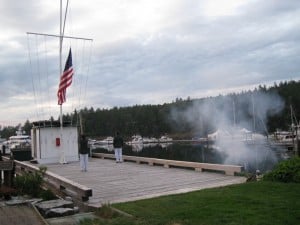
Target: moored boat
point(106, 141)
point(165, 139)
point(136, 139)
point(18, 141)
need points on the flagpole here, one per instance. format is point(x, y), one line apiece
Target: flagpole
point(61, 36)
point(62, 160)
point(60, 51)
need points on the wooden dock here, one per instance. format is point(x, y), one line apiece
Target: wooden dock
point(113, 182)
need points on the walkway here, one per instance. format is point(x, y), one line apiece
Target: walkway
point(121, 182)
point(19, 215)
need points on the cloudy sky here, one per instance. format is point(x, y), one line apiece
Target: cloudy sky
point(143, 51)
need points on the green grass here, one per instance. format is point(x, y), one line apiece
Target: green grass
point(263, 203)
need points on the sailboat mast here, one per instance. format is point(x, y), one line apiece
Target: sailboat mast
point(233, 108)
point(253, 113)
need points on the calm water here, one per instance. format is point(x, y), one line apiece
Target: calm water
point(253, 158)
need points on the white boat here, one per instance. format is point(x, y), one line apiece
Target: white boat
point(236, 135)
point(19, 140)
point(285, 138)
point(288, 138)
point(91, 141)
point(136, 139)
point(106, 141)
point(147, 140)
point(137, 147)
point(108, 148)
point(165, 139)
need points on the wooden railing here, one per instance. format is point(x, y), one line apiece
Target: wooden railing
point(227, 169)
point(57, 183)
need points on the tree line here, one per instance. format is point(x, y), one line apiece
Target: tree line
point(188, 118)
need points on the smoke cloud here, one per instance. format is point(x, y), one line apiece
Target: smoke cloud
point(236, 123)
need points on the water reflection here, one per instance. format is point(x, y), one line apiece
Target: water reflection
point(258, 157)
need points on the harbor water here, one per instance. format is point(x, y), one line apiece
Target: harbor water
point(252, 158)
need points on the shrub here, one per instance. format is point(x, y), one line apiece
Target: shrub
point(106, 211)
point(285, 171)
point(47, 195)
point(30, 183)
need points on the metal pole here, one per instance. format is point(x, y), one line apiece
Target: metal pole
point(60, 50)
point(62, 160)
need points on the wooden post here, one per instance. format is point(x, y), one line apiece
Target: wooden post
point(7, 178)
point(8, 172)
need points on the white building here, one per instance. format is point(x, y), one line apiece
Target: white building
point(51, 144)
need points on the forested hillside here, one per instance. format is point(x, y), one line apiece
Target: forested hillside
point(263, 110)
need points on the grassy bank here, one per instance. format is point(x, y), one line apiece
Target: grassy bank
point(260, 203)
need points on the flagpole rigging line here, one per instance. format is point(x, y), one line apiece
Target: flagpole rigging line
point(60, 36)
point(47, 76)
point(31, 67)
point(40, 110)
point(87, 72)
point(78, 82)
point(83, 62)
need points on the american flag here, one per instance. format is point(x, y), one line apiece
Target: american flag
point(65, 80)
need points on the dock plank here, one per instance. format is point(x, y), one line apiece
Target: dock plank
point(120, 182)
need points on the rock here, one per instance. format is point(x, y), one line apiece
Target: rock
point(34, 201)
point(21, 201)
point(13, 202)
point(68, 198)
point(76, 209)
point(45, 206)
point(59, 212)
